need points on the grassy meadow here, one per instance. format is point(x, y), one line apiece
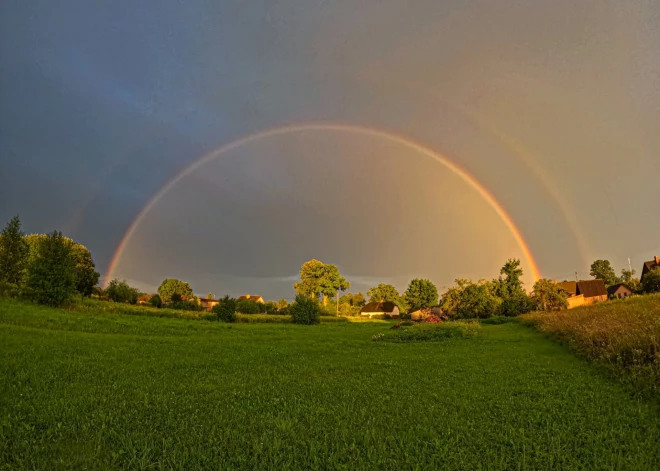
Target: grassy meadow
point(621, 335)
point(103, 390)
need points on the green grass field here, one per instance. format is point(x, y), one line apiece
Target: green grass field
point(80, 390)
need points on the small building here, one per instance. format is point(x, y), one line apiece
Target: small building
point(423, 313)
point(383, 308)
point(619, 291)
point(581, 293)
point(252, 297)
point(648, 266)
point(208, 303)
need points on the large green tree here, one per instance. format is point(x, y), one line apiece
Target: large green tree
point(320, 279)
point(86, 275)
point(421, 294)
point(13, 252)
point(353, 299)
point(510, 288)
point(385, 292)
point(602, 270)
point(171, 287)
point(468, 300)
point(120, 292)
point(51, 277)
point(548, 296)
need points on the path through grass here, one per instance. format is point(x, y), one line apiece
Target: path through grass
point(111, 391)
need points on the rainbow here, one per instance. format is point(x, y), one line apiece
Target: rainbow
point(332, 127)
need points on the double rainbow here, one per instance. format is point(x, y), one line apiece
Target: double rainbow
point(330, 127)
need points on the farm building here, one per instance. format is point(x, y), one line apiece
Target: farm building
point(425, 312)
point(208, 303)
point(252, 297)
point(584, 293)
point(648, 266)
point(620, 291)
point(383, 308)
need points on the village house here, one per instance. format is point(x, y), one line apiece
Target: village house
point(252, 297)
point(619, 291)
point(648, 266)
point(584, 293)
point(383, 308)
point(208, 303)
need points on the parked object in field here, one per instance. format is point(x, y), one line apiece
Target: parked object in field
point(422, 314)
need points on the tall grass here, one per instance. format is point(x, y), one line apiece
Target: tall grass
point(623, 335)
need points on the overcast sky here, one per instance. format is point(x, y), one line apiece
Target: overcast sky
point(552, 106)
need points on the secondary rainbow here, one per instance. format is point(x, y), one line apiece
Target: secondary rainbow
point(330, 127)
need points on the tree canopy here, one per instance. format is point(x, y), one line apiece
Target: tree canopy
point(471, 300)
point(385, 292)
point(172, 286)
point(421, 294)
point(320, 279)
point(651, 281)
point(51, 277)
point(120, 292)
point(548, 296)
point(602, 270)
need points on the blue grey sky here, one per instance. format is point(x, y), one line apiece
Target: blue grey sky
point(553, 107)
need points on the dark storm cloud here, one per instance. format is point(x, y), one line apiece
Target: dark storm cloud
point(103, 102)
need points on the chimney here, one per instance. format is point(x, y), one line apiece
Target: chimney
point(247, 296)
point(555, 280)
point(657, 260)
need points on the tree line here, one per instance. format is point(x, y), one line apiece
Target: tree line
point(503, 296)
point(47, 268)
point(52, 269)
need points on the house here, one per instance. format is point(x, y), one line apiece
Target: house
point(144, 299)
point(423, 313)
point(252, 297)
point(648, 266)
point(383, 308)
point(208, 303)
point(619, 291)
point(581, 293)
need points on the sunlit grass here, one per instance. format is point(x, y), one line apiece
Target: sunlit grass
point(86, 390)
point(623, 335)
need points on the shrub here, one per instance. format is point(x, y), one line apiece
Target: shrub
point(247, 306)
point(305, 310)
point(155, 301)
point(121, 292)
point(51, 277)
point(186, 306)
point(9, 290)
point(549, 297)
point(651, 281)
point(226, 310)
point(270, 307)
